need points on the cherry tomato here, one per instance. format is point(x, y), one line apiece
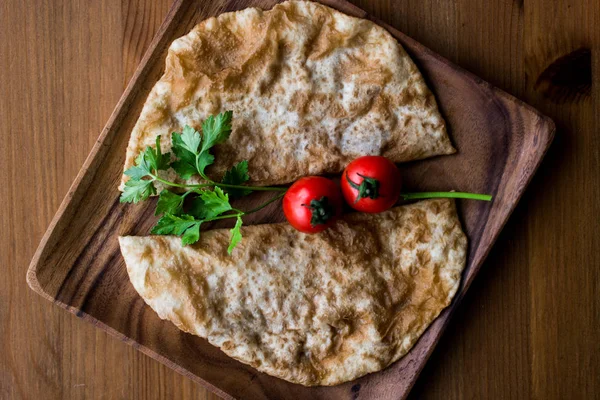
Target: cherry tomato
point(312, 204)
point(371, 184)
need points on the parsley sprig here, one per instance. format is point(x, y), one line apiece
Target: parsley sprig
point(210, 200)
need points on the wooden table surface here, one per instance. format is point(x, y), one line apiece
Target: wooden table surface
point(529, 326)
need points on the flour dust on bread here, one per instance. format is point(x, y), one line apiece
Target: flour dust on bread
point(311, 309)
point(310, 89)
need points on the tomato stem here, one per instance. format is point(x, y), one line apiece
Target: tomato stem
point(369, 187)
point(454, 195)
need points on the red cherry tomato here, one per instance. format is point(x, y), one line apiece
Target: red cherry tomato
point(371, 184)
point(312, 204)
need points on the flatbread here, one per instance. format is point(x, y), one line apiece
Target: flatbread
point(311, 309)
point(310, 89)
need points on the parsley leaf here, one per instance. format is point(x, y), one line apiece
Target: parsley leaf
point(185, 166)
point(197, 208)
point(216, 130)
point(185, 225)
point(170, 224)
point(204, 160)
point(183, 169)
point(142, 167)
point(190, 139)
point(193, 149)
point(236, 235)
point(192, 234)
point(156, 159)
point(137, 172)
point(180, 148)
point(141, 160)
point(148, 161)
point(216, 202)
point(237, 175)
point(169, 203)
point(137, 190)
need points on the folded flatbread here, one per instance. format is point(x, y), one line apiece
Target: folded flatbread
point(311, 309)
point(310, 89)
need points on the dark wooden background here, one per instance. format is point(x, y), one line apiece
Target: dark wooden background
point(529, 326)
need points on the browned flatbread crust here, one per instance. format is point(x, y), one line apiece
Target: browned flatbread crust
point(311, 309)
point(310, 88)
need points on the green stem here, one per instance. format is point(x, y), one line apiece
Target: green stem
point(253, 188)
point(280, 195)
point(242, 213)
point(183, 196)
point(227, 185)
point(223, 217)
point(224, 185)
point(454, 195)
point(203, 175)
point(156, 178)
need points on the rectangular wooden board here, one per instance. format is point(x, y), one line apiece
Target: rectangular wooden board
point(78, 265)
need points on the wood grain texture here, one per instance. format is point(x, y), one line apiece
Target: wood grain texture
point(527, 328)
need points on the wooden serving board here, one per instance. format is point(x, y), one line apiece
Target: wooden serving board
point(78, 265)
